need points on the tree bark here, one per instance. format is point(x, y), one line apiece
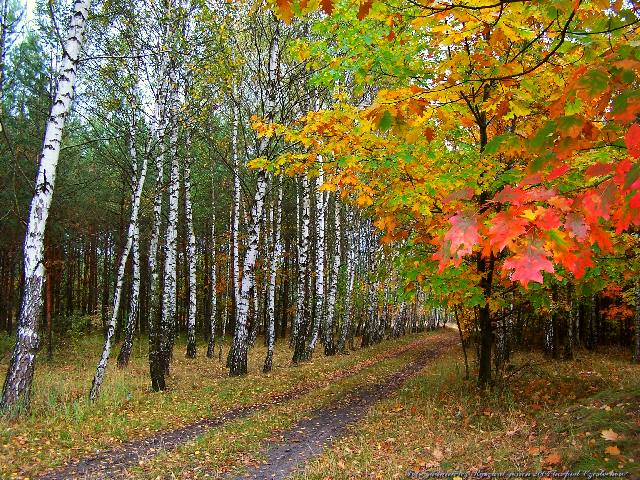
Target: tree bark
point(191, 259)
point(348, 300)
point(17, 385)
point(319, 317)
point(299, 321)
point(211, 347)
point(273, 269)
point(329, 344)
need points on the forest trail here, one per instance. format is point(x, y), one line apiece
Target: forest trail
point(308, 437)
point(323, 425)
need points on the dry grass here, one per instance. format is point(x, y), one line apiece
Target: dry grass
point(550, 416)
point(63, 425)
point(241, 443)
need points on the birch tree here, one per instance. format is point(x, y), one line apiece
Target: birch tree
point(17, 385)
point(238, 354)
point(155, 368)
point(168, 318)
point(299, 321)
point(320, 249)
point(191, 259)
point(351, 271)
point(213, 281)
point(125, 350)
point(329, 344)
point(276, 259)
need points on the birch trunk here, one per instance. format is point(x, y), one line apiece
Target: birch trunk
point(111, 326)
point(236, 209)
point(275, 264)
point(299, 320)
point(17, 384)
point(155, 370)
point(351, 271)
point(191, 259)
point(320, 248)
point(168, 319)
point(329, 345)
point(211, 347)
point(127, 344)
point(238, 355)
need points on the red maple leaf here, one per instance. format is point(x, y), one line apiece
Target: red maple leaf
point(529, 264)
point(506, 226)
point(601, 238)
point(515, 196)
point(459, 240)
point(548, 219)
point(577, 262)
point(632, 140)
point(576, 226)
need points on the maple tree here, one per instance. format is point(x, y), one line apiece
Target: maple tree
point(501, 142)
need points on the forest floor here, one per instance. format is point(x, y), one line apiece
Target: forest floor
point(398, 409)
point(63, 428)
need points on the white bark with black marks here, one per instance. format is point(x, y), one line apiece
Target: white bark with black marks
point(238, 360)
point(351, 273)
point(127, 344)
point(17, 384)
point(299, 320)
point(276, 260)
point(213, 281)
point(329, 345)
point(238, 355)
point(168, 318)
point(319, 319)
point(191, 259)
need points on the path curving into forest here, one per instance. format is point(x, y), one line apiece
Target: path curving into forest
point(323, 425)
point(308, 438)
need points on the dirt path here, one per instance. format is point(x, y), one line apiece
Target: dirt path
point(109, 463)
point(308, 438)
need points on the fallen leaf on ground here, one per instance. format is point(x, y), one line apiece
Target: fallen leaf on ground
point(612, 450)
point(437, 454)
point(609, 435)
point(551, 459)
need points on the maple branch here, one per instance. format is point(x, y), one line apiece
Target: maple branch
point(537, 37)
point(532, 68)
point(452, 6)
point(609, 30)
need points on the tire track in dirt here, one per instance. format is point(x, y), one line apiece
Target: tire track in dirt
point(110, 463)
point(308, 438)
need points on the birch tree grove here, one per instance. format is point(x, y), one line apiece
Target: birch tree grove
point(319, 183)
point(17, 384)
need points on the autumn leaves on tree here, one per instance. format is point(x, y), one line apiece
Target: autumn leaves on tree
point(339, 173)
point(502, 144)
